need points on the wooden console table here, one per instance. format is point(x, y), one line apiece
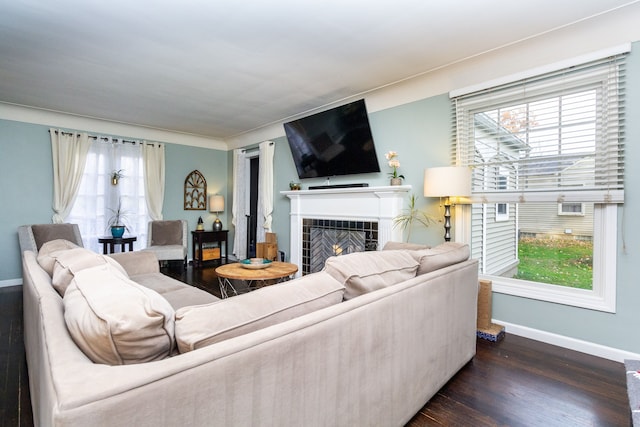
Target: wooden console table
point(199, 238)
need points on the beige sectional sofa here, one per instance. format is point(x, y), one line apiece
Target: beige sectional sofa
point(293, 354)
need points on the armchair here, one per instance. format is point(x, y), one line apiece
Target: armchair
point(32, 237)
point(168, 240)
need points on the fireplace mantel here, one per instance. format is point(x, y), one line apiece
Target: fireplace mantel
point(378, 204)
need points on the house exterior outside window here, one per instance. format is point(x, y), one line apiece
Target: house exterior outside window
point(547, 159)
point(573, 209)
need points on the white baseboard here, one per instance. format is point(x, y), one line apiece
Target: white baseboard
point(568, 342)
point(12, 282)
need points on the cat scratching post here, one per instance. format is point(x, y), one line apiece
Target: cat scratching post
point(486, 329)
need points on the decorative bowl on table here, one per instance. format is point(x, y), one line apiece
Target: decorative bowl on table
point(255, 263)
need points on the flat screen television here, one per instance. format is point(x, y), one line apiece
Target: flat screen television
point(334, 142)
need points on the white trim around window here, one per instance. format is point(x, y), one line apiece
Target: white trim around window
point(603, 295)
point(562, 212)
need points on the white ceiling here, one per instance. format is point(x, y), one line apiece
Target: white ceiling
point(220, 68)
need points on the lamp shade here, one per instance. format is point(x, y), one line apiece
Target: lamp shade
point(447, 181)
point(216, 203)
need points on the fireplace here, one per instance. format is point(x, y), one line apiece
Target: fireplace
point(337, 221)
point(322, 238)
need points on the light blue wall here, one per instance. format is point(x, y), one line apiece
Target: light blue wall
point(180, 161)
point(419, 132)
point(25, 187)
point(26, 184)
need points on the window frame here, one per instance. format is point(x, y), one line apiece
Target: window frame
point(602, 296)
point(561, 212)
point(106, 155)
point(502, 179)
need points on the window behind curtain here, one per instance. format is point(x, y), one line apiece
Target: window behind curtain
point(547, 155)
point(97, 196)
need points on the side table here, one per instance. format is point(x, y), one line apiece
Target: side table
point(109, 243)
point(199, 238)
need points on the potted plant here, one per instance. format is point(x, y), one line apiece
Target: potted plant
point(411, 215)
point(117, 221)
point(115, 176)
point(394, 164)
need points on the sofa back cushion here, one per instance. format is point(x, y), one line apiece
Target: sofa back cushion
point(202, 325)
point(115, 321)
point(396, 246)
point(441, 256)
point(43, 233)
point(363, 272)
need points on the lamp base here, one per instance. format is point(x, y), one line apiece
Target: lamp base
point(447, 222)
point(217, 225)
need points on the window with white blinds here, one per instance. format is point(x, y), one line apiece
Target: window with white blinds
point(553, 137)
point(547, 157)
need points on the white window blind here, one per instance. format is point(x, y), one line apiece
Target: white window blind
point(553, 137)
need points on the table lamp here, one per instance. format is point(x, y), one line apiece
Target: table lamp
point(216, 205)
point(448, 182)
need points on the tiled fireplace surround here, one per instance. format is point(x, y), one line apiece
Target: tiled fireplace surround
point(364, 213)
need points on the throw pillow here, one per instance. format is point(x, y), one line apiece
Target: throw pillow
point(115, 321)
point(46, 253)
point(363, 272)
point(441, 256)
point(69, 262)
point(202, 325)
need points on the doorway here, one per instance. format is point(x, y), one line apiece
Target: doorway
point(252, 193)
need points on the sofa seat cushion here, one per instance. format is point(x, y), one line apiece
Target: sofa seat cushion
point(115, 321)
point(204, 325)
point(178, 294)
point(363, 272)
point(441, 256)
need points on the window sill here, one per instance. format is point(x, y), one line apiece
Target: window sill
point(552, 293)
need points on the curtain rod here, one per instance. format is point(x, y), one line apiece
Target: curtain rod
point(104, 138)
point(251, 150)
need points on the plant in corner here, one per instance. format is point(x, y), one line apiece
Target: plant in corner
point(117, 221)
point(394, 164)
point(412, 215)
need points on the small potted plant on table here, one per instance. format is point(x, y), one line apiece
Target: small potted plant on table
point(117, 221)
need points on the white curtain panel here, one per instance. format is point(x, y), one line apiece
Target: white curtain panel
point(238, 209)
point(265, 190)
point(154, 172)
point(69, 156)
point(97, 198)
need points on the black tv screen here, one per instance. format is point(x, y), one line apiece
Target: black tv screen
point(333, 142)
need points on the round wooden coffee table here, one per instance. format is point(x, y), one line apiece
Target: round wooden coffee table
point(276, 272)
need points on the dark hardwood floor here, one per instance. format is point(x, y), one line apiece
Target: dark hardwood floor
point(515, 382)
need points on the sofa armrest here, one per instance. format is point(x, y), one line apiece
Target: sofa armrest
point(138, 262)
